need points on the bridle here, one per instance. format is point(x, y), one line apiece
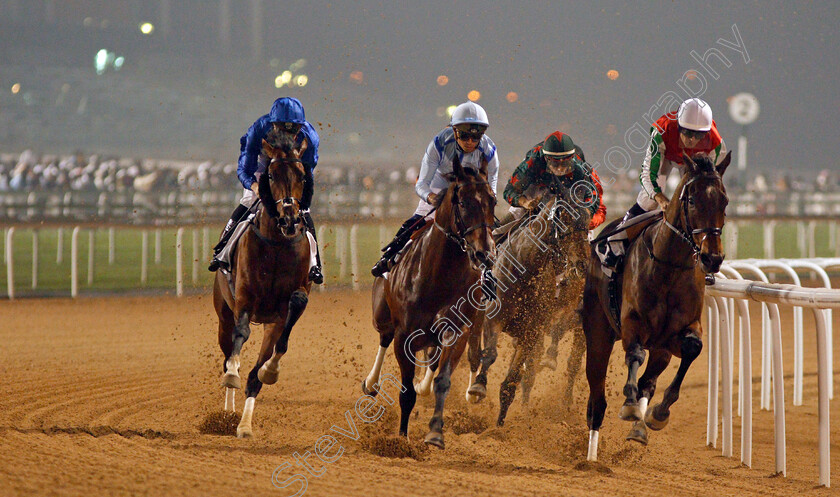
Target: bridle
point(686, 232)
point(459, 237)
point(279, 219)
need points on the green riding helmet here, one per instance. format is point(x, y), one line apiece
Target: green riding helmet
point(558, 145)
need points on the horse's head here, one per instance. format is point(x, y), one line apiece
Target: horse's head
point(466, 209)
point(282, 184)
point(569, 218)
point(702, 204)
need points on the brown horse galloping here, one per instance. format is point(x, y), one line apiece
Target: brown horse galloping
point(661, 295)
point(424, 301)
point(552, 244)
point(270, 272)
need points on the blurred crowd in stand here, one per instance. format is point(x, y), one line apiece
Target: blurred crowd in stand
point(32, 172)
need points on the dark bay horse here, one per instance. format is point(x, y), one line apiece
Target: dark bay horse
point(433, 293)
point(270, 278)
point(550, 248)
point(662, 288)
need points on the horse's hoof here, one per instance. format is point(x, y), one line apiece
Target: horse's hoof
point(267, 376)
point(244, 432)
point(476, 391)
point(365, 390)
point(652, 421)
point(630, 412)
point(231, 380)
point(638, 433)
point(435, 438)
point(418, 388)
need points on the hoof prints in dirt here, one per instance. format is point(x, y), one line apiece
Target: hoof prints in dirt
point(96, 431)
point(219, 423)
point(394, 447)
point(593, 466)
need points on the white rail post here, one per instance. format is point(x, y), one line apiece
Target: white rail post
point(836, 241)
point(34, 259)
point(5, 232)
point(824, 417)
point(341, 251)
point(769, 230)
point(726, 375)
point(10, 266)
point(778, 391)
point(74, 262)
point(158, 236)
point(712, 407)
point(179, 262)
point(812, 239)
point(59, 251)
point(354, 255)
point(91, 253)
point(732, 240)
point(832, 233)
point(801, 239)
point(205, 243)
point(322, 233)
point(195, 255)
point(745, 383)
point(112, 245)
point(144, 258)
point(383, 235)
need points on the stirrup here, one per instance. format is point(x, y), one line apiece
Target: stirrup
point(381, 267)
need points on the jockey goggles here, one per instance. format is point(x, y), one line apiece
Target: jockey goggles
point(690, 133)
point(469, 137)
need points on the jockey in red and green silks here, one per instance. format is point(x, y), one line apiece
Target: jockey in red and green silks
point(555, 161)
point(690, 130)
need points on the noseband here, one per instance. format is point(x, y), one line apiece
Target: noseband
point(459, 237)
point(687, 233)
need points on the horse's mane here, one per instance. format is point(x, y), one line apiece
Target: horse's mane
point(281, 140)
point(704, 164)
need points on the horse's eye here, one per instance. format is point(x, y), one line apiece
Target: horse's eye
point(691, 201)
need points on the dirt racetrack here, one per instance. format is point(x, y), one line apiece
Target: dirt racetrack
point(106, 397)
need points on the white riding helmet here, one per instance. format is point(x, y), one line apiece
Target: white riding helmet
point(469, 113)
point(695, 114)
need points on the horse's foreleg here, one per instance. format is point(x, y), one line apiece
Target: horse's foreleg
point(448, 362)
point(478, 387)
point(474, 357)
point(658, 361)
point(634, 357)
point(241, 332)
point(407, 395)
point(424, 387)
point(373, 377)
point(690, 347)
point(507, 390)
point(573, 365)
point(226, 329)
point(270, 371)
point(529, 377)
point(549, 361)
point(599, 346)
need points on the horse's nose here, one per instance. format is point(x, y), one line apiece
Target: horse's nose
point(711, 262)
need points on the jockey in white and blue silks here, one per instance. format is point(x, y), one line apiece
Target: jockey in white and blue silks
point(286, 116)
point(464, 138)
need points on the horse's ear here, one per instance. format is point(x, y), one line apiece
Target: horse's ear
point(457, 169)
point(721, 168)
point(268, 149)
point(303, 145)
point(692, 167)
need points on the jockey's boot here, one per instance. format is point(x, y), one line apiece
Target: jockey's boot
point(315, 274)
point(225, 236)
point(392, 249)
point(611, 251)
